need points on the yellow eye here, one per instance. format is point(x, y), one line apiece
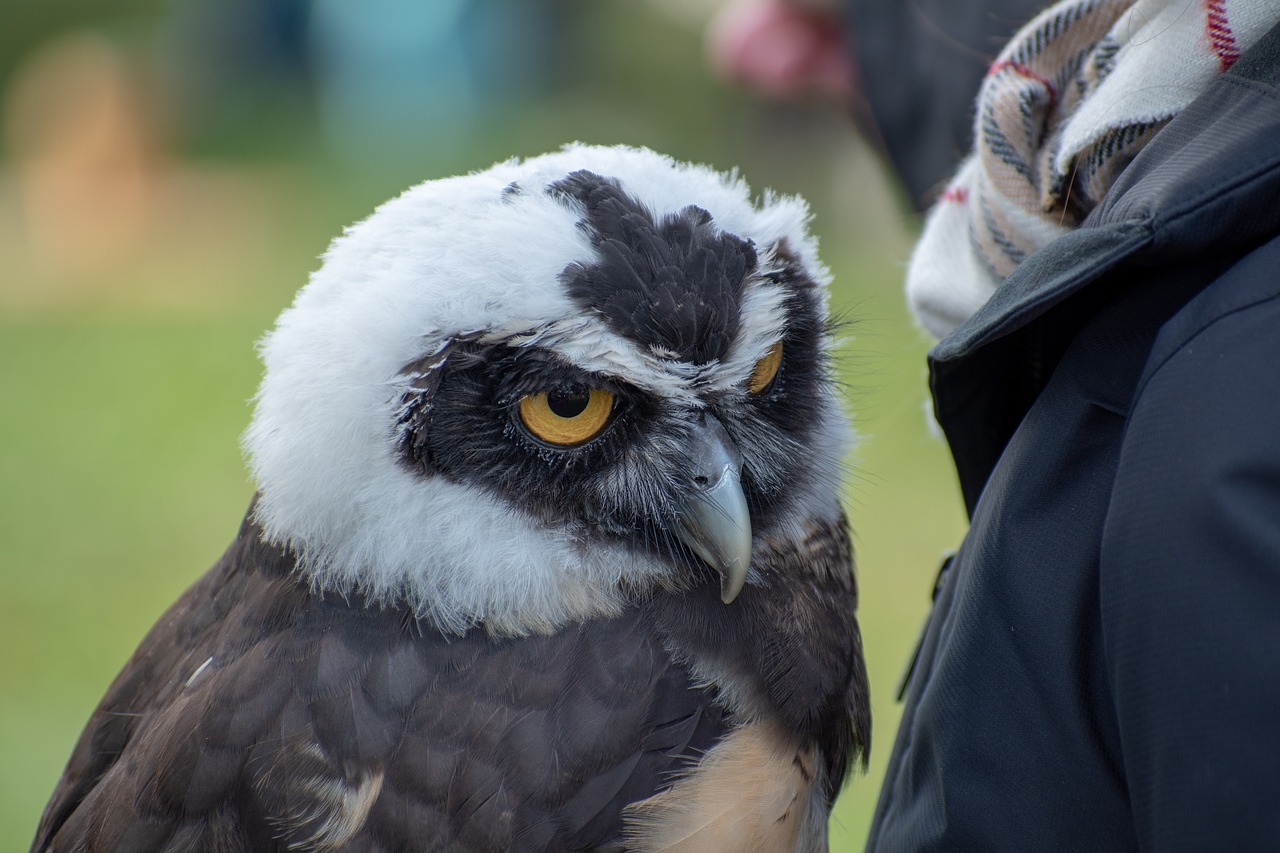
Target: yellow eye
point(766, 368)
point(566, 418)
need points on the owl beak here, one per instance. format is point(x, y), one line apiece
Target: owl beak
point(713, 519)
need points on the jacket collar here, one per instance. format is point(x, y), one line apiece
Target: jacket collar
point(1206, 187)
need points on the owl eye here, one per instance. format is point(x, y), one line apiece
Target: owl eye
point(766, 368)
point(566, 418)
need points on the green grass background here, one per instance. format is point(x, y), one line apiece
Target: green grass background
point(124, 393)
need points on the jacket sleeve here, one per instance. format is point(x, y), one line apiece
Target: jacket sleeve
point(1190, 589)
point(919, 65)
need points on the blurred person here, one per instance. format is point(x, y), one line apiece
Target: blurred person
point(909, 71)
point(783, 49)
point(235, 69)
point(85, 155)
point(1098, 672)
point(105, 206)
point(397, 77)
point(387, 79)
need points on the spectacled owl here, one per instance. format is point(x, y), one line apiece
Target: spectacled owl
point(546, 551)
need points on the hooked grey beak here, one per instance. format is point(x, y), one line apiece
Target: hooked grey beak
point(713, 520)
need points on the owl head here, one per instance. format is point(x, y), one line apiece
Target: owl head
point(528, 395)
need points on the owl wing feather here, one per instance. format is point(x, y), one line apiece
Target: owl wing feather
point(261, 715)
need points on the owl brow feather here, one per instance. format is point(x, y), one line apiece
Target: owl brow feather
point(672, 282)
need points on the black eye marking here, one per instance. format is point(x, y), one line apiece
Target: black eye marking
point(416, 405)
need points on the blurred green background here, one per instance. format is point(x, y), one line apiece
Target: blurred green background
point(170, 173)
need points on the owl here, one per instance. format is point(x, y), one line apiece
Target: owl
point(546, 550)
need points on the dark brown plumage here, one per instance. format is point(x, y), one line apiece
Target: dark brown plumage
point(259, 715)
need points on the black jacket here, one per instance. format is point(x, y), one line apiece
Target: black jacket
point(1102, 667)
point(919, 66)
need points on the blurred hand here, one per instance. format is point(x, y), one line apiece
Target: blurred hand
point(782, 48)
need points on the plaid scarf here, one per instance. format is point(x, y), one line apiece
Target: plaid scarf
point(1064, 108)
